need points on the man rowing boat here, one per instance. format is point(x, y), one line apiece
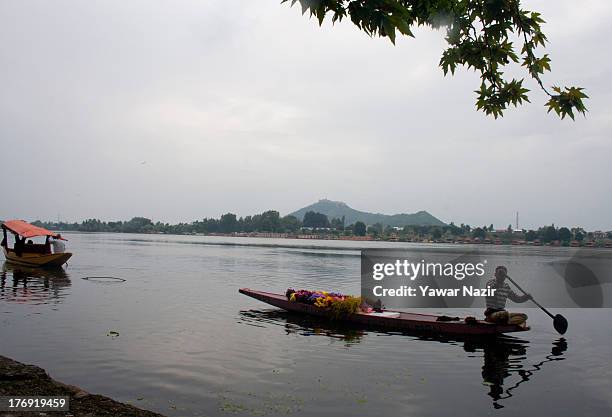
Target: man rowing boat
point(496, 303)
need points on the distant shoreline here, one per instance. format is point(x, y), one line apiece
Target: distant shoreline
point(323, 237)
point(317, 226)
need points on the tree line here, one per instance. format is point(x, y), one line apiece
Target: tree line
point(268, 221)
point(271, 222)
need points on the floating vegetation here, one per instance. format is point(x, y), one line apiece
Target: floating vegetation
point(263, 404)
point(113, 333)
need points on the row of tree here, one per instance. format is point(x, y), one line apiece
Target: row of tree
point(271, 222)
point(544, 234)
point(268, 221)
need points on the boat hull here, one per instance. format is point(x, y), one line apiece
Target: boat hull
point(37, 259)
point(409, 322)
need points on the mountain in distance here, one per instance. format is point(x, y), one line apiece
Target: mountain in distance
point(338, 209)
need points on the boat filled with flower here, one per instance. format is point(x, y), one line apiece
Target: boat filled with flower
point(351, 309)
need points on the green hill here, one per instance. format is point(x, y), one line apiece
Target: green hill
point(338, 209)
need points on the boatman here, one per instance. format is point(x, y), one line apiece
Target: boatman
point(496, 303)
point(57, 244)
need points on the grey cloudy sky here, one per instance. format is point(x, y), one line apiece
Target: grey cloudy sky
point(178, 110)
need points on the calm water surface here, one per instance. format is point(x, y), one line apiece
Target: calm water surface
point(189, 344)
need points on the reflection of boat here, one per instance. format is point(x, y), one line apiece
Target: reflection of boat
point(30, 254)
point(505, 365)
point(28, 272)
point(32, 285)
point(393, 320)
point(504, 358)
point(304, 325)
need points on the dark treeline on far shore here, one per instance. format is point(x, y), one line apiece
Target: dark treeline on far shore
point(317, 225)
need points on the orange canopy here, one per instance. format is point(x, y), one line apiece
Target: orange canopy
point(25, 229)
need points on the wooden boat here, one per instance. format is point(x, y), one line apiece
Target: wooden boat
point(392, 320)
point(37, 260)
point(32, 255)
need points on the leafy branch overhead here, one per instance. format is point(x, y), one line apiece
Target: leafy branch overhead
point(484, 35)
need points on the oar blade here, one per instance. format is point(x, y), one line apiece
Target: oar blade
point(560, 323)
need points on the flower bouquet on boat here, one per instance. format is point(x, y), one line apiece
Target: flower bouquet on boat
point(337, 305)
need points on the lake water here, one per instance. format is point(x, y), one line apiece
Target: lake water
point(176, 337)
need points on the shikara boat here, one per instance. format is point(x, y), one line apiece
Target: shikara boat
point(32, 255)
point(392, 320)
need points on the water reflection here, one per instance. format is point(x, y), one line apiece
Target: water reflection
point(302, 325)
point(504, 357)
point(27, 285)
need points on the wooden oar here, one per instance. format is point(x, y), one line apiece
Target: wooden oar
point(559, 322)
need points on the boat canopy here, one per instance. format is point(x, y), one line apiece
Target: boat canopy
point(25, 229)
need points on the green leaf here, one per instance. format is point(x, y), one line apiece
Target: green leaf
point(389, 29)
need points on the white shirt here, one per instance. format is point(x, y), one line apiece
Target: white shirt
point(58, 246)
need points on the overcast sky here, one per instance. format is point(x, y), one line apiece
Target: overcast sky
point(179, 110)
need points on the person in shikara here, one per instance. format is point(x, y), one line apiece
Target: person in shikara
point(496, 304)
point(19, 245)
point(57, 244)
